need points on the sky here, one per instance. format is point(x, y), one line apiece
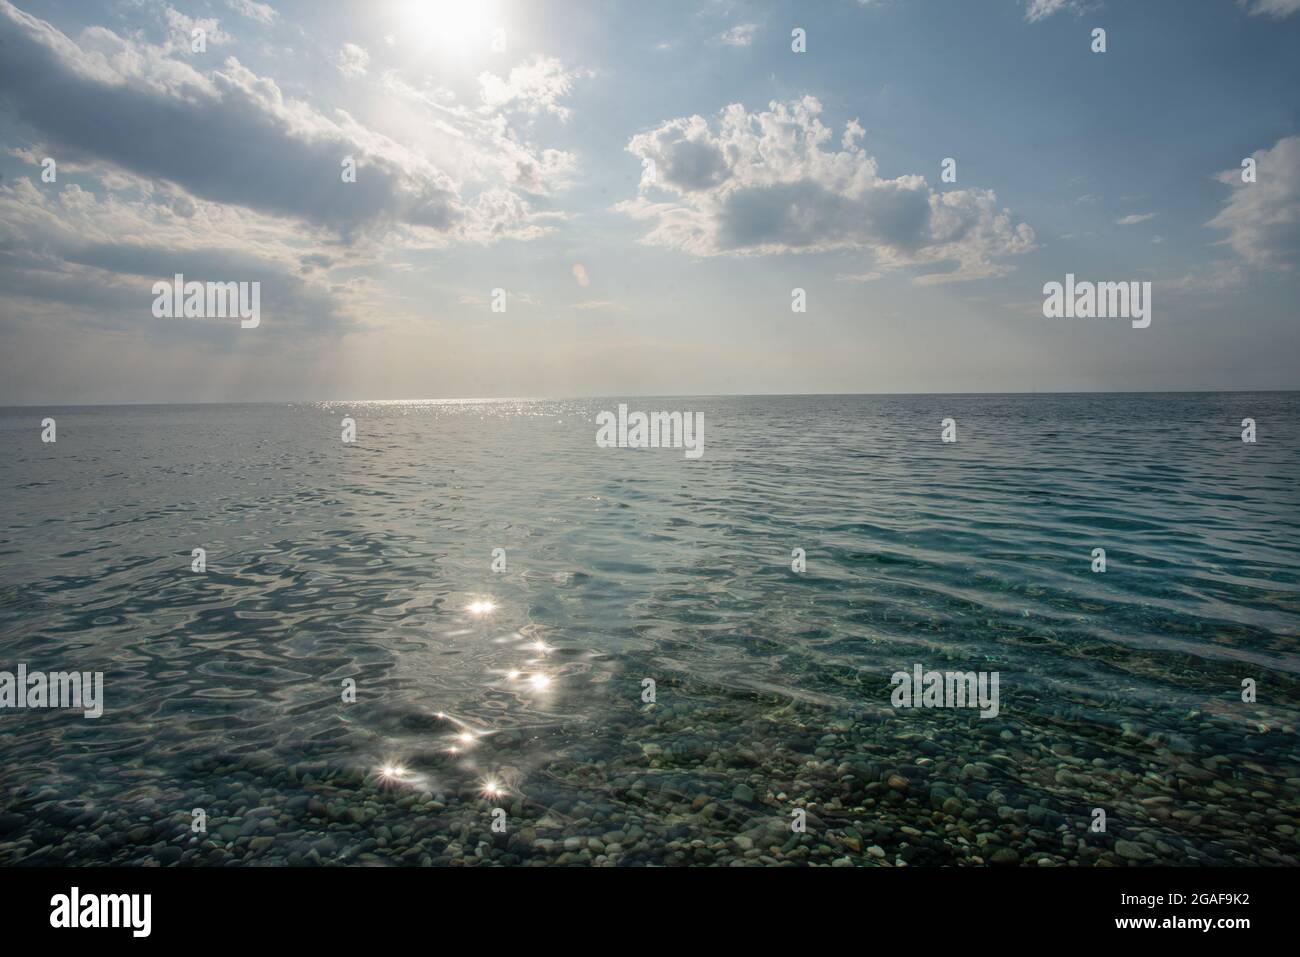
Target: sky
point(648, 184)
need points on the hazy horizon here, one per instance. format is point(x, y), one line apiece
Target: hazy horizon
point(645, 395)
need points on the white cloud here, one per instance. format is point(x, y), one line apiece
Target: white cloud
point(600, 305)
point(1262, 219)
point(1277, 9)
point(253, 10)
point(741, 35)
point(352, 60)
point(765, 183)
point(1216, 277)
point(533, 87)
point(180, 30)
point(1036, 10)
point(478, 143)
point(1134, 218)
point(515, 299)
point(580, 274)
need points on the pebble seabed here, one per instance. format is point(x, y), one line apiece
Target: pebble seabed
point(708, 783)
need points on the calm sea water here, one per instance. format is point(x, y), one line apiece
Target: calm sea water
point(524, 688)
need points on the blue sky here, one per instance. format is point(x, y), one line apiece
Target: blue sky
point(528, 168)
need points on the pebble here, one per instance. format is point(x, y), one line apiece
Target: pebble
point(1130, 851)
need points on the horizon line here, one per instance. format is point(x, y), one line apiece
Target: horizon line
point(650, 395)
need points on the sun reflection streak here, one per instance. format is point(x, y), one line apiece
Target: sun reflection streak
point(480, 607)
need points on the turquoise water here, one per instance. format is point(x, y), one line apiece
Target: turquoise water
point(372, 562)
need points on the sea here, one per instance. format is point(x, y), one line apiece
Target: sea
point(473, 636)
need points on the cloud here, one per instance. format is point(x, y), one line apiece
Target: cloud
point(1036, 10)
point(765, 183)
point(1134, 218)
point(741, 35)
point(1262, 219)
point(180, 31)
point(600, 305)
point(352, 60)
point(232, 137)
point(533, 87)
point(1215, 277)
point(100, 255)
point(216, 173)
point(477, 143)
point(254, 11)
point(1277, 9)
point(580, 274)
point(514, 298)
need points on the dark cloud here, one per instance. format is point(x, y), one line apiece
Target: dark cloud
point(228, 138)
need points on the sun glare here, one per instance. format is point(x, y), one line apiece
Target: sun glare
point(451, 25)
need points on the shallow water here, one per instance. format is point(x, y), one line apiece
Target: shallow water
point(328, 561)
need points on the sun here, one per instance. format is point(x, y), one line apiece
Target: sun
point(449, 25)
